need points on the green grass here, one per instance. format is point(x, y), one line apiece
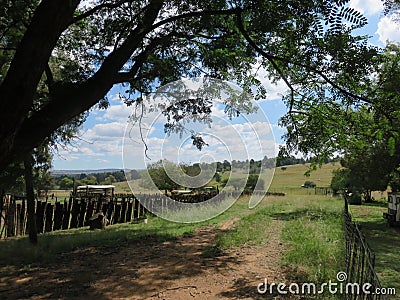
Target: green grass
point(314, 237)
point(309, 227)
point(289, 179)
point(252, 230)
point(293, 176)
point(50, 245)
point(312, 233)
point(18, 251)
point(383, 239)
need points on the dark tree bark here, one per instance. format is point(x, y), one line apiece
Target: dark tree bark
point(20, 135)
point(51, 18)
point(30, 198)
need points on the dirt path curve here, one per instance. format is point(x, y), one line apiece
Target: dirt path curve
point(186, 268)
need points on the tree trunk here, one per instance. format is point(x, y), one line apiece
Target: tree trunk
point(20, 134)
point(30, 198)
point(50, 19)
point(368, 196)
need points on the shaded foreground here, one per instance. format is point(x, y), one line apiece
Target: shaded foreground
point(285, 239)
point(185, 268)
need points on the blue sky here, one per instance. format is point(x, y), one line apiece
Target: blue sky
point(101, 140)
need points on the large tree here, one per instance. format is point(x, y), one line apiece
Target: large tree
point(365, 130)
point(80, 50)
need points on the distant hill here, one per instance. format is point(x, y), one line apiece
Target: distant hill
point(75, 172)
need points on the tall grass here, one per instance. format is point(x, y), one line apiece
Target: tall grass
point(252, 230)
point(315, 240)
point(312, 233)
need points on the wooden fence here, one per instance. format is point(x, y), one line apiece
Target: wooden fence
point(67, 214)
point(75, 212)
point(323, 191)
point(360, 260)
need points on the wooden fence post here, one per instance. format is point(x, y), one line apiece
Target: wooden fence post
point(65, 214)
point(49, 217)
point(82, 213)
point(11, 219)
point(58, 213)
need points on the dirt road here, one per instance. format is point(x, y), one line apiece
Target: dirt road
point(190, 267)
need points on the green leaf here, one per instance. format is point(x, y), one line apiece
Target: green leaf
point(391, 145)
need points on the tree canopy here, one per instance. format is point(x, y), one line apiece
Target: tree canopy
point(59, 59)
point(365, 131)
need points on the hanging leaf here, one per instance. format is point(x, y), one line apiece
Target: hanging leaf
point(391, 145)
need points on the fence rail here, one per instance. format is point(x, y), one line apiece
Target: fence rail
point(360, 261)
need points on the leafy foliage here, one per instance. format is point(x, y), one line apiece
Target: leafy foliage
point(364, 130)
point(78, 51)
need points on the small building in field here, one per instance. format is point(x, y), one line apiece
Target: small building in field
point(91, 190)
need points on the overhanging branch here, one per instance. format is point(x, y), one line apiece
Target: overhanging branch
point(272, 58)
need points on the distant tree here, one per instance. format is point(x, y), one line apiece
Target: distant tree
point(369, 169)
point(309, 184)
point(133, 175)
point(192, 170)
point(255, 167)
point(365, 170)
point(235, 183)
point(254, 181)
point(217, 177)
point(66, 183)
point(285, 159)
point(44, 181)
point(110, 179)
point(159, 176)
point(90, 179)
point(120, 176)
point(340, 181)
point(226, 165)
point(268, 162)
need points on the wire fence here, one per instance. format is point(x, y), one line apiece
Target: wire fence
point(360, 262)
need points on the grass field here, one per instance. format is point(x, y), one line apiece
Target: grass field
point(309, 227)
point(287, 179)
point(293, 176)
point(311, 230)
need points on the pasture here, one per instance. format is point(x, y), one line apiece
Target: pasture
point(296, 238)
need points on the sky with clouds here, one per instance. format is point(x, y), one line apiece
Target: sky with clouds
point(102, 144)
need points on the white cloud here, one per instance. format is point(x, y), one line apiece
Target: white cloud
point(117, 113)
point(388, 29)
point(274, 90)
point(368, 7)
point(240, 138)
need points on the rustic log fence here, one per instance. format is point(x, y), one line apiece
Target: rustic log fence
point(75, 212)
point(323, 191)
point(360, 260)
point(67, 214)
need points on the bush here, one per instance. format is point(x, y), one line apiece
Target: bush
point(354, 198)
point(309, 184)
